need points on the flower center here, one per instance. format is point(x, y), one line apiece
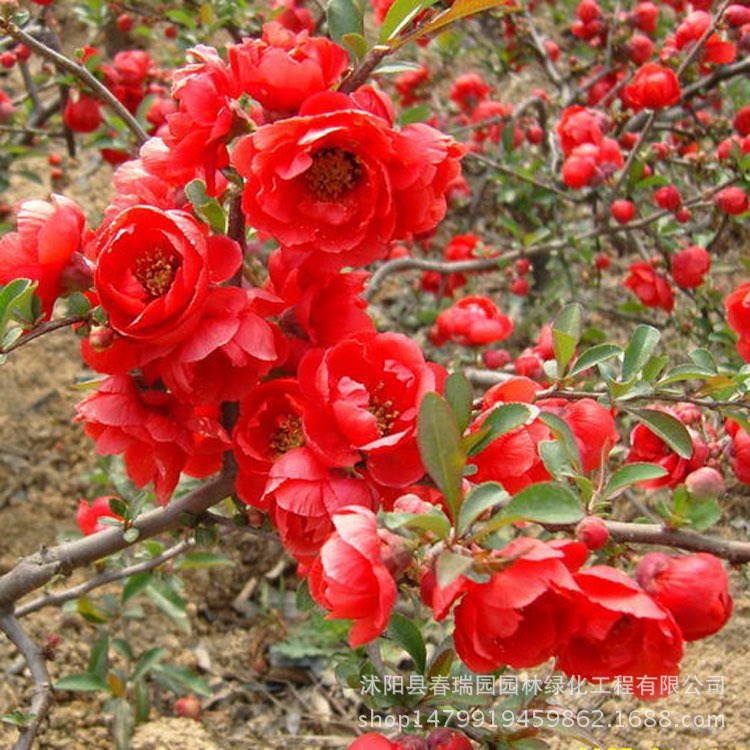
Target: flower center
point(385, 414)
point(155, 271)
point(333, 173)
point(287, 435)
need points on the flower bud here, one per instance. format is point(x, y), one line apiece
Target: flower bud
point(705, 483)
point(448, 739)
point(593, 532)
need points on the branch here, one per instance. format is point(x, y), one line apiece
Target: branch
point(549, 66)
point(35, 570)
point(42, 696)
point(60, 597)
point(362, 72)
point(653, 533)
point(42, 329)
point(80, 73)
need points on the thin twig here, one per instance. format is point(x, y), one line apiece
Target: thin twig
point(364, 70)
point(60, 597)
point(42, 697)
point(80, 73)
point(44, 328)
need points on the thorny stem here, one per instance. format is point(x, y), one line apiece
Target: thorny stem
point(79, 72)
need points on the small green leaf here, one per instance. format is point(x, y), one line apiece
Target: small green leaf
point(404, 632)
point(170, 603)
point(16, 301)
point(501, 420)
point(459, 395)
point(400, 15)
point(566, 333)
point(561, 430)
point(131, 535)
point(303, 599)
point(147, 661)
point(704, 359)
point(89, 611)
point(180, 679)
point(344, 17)
point(638, 352)
point(668, 428)
point(356, 43)
point(631, 474)
point(135, 584)
point(686, 372)
point(99, 659)
point(480, 499)
point(544, 502)
point(435, 521)
point(701, 514)
point(441, 663)
point(450, 566)
point(82, 681)
point(207, 207)
point(439, 440)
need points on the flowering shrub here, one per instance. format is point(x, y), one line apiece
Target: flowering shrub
point(231, 301)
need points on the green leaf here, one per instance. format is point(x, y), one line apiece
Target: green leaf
point(303, 599)
point(460, 9)
point(701, 514)
point(450, 566)
point(631, 474)
point(202, 560)
point(89, 611)
point(704, 359)
point(480, 499)
point(82, 681)
point(17, 718)
point(122, 724)
point(459, 395)
point(500, 421)
point(404, 632)
point(555, 459)
point(135, 584)
point(668, 428)
point(441, 663)
point(131, 535)
point(439, 439)
point(147, 661)
point(400, 15)
point(180, 679)
point(642, 345)
point(344, 17)
point(16, 301)
point(142, 702)
point(207, 207)
point(561, 430)
point(686, 372)
point(99, 659)
point(566, 333)
point(356, 43)
point(435, 521)
point(544, 502)
point(169, 603)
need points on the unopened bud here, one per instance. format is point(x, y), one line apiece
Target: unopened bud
point(593, 532)
point(705, 483)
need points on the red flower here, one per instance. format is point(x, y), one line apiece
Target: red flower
point(694, 588)
point(159, 437)
point(738, 309)
point(731, 200)
point(473, 321)
point(668, 197)
point(372, 741)
point(689, 266)
point(512, 459)
point(282, 69)
point(740, 450)
point(578, 126)
point(468, 90)
point(7, 108)
point(303, 493)
point(592, 425)
point(522, 616)
point(361, 401)
point(88, 514)
point(649, 447)
point(460, 247)
point(153, 270)
point(81, 113)
point(651, 288)
point(654, 87)
point(232, 346)
point(337, 184)
point(350, 579)
point(622, 211)
point(621, 632)
point(45, 248)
